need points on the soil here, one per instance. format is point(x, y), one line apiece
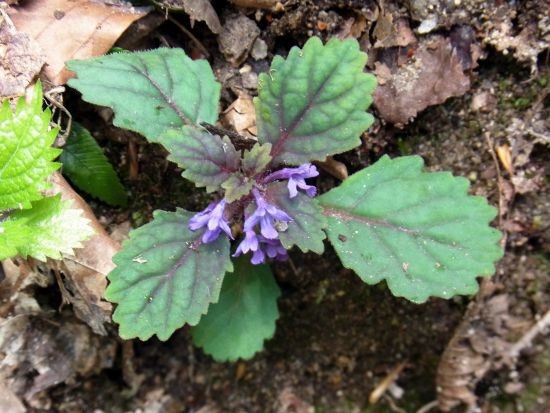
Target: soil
point(338, 338)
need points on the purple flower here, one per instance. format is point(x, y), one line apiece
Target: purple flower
point(273, 248)
point(296, 178)
point(212, 218)
point(266, 215)
point(260, 247)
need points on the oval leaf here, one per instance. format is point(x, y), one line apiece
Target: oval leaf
point(208, 160)
point(306, 228)
point(149, 91)
point(89, 169)
point(165, 277)
point(237, 326)
point(420, 231)
point(313, 104)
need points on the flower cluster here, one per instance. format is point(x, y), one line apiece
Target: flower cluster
point(262, 226)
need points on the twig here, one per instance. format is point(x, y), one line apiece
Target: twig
point(386, 382)
point(499, 182)
point(190, 35)
point(427, 407)
point(239, 141)
point(529, 336)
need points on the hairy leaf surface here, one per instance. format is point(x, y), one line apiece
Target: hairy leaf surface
point(419, 231)
point(208, 160)
point(89, 169)
point(306, 228)
point(312, 104)
point(237, 326)
point(150, 91)
point(25, 151)
point(165, 277)
point(237, 186)
point(256, 159)
point(50, 227)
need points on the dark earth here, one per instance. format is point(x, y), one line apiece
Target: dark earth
point(337, 338)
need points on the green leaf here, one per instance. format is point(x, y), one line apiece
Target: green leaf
point(237, 326)
point(25, 151)
point(207, 159)
point(150, 91)
point(47, 229)
point(256, 159)
point(89, 169)
point(313, 104)
point(306, 228)
point(165, 277)
point(237, 186)
point(420, 231)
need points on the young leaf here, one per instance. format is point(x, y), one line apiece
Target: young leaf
point(47, 229)
point(256, 159)
point(207, 159)
point(25, 151)
point(313, 104)
point(420, 231)
point(89, 169)
point(237, 326)
point(165, 277)
point(306, 228)
point(150, 91)
point(237, 186)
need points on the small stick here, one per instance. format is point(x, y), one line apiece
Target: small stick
point(529, 336)
point(239, 141)
point(190, 35)
point(386, 382)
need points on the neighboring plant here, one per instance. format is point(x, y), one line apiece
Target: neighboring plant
point(89, 169)
point(421, 232)
point(30, 223)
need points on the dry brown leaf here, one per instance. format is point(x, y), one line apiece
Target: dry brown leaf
point(505, 157)
point(334, 167)
point(86, 271)
point(9, 402)
point(256, 4)
point(289, 402)
point(20, 59)
point(197, 10)
point(434, 74)
point(76, 29)
point(237, 37)
point(241, 116)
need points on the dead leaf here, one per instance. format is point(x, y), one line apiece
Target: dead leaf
point(197, 10)
point(289, 402)
point(68, 29)
point(9, 402)
point(390, 34)
point(334, 167)
point(20, 59)
point(241, 116)
point(237, 37)
point(56, 351)
point(86, 271)
point(430, 77)
point(505, 157)
point(256, 4)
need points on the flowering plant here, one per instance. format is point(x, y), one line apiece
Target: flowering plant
point(421, 232)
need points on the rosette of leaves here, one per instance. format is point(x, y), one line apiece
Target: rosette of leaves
point(32, 225)
point(419, 231)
